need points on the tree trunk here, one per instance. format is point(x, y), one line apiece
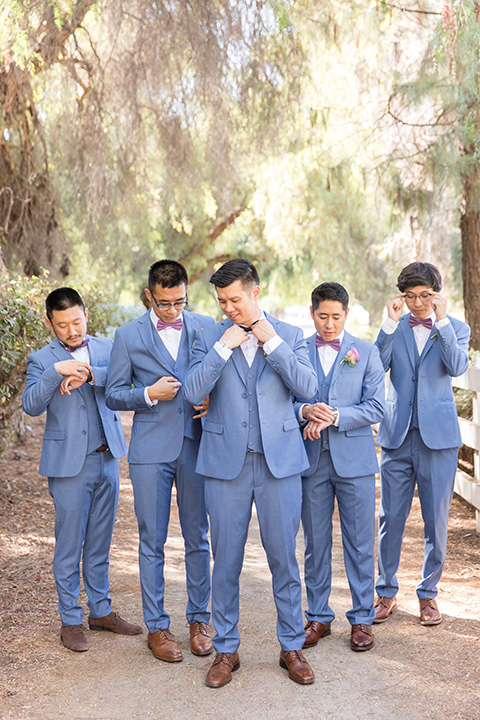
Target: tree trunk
point(470, 233)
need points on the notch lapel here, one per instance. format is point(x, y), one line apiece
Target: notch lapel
point(409, 339)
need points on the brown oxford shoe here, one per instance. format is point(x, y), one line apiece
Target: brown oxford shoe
point(200, 640)
point(429, 612)
point(221, 670)
point(383, 608)
point(114, 623)
point(73, 638)
point(164, 646)
point(314, 631)
point(361, 638)
point(298, 668)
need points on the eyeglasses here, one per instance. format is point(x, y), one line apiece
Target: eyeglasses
point(423, 297)
point(166, 305)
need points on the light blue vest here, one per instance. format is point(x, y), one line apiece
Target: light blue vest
point(323, 390)
point(254, 439)
point(96, 434)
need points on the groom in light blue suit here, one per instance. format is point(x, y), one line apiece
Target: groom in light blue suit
point(149, 360)
point(251, 450)
point(419, 434)
point(81, 444)
point(339, 441)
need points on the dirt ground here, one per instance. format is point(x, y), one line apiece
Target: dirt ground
point(412, 672)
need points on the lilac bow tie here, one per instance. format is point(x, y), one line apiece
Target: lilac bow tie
point(334, 344)
point(71, 349)
point(176, 324)
point(414, 321)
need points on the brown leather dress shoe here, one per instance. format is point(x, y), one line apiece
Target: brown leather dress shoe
point(73, 638)
point(383, 608)
point(114, 623)
point(200, 640)
point(314, 631)
point(298, 668)
point(221, 670)
point(361, 638)
point(429, 612)
point(164, 646)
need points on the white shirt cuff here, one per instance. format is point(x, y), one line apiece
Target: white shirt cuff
point(272, 344)
point(389, 326)
point(224, 352)
point(441, 323)
point(150, 403)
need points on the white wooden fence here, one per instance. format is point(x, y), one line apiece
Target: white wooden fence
point(466, 486)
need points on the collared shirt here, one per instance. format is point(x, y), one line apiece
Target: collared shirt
point(171, 339)
point(327, 356)
point(420, 332)
point(249, 347)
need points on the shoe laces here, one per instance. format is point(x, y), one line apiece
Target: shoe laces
point(223, 657)
point(198, 628)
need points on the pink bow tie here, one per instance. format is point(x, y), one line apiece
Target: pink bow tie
point(71, 349)
point(334, 344)
point(414, 321)
point(176, 324)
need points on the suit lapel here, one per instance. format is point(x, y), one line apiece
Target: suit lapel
point(409, 339)
point(156, 349)
point(432, 338)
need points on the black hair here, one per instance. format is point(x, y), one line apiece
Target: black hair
point(62, 299)
point(329, 291)
point(238, 269)
point(167, 273)
point(419, 273)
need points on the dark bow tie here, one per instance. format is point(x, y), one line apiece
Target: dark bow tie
point(176, 324)
point(334, 344)
point(414, 322)
point(248, 328)
point(71, 349)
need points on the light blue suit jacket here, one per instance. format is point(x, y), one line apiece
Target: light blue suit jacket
point(138, 362)
point(359, 394)
point(445, 356)
point(286, 370)
point(65, 438)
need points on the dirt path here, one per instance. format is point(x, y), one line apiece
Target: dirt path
point(413, 672)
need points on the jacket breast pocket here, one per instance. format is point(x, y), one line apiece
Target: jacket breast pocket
point(213, 427)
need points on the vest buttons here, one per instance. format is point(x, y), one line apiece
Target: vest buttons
point(244, 395)
point(84, 432)
point(244, 424)
point(180, 410)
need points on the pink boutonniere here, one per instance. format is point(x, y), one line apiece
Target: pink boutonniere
point(351, 358)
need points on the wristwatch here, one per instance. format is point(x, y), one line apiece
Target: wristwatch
point(335, 415)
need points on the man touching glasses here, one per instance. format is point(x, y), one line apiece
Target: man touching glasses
point(419, 434)
point(149, 359)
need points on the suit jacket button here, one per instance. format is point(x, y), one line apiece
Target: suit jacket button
point(82, 407)
point(180, 410)
point(244, 395)
point(84, 432)
point(244, 424)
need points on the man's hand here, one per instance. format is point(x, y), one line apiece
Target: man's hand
point(164, 389)
point(318, 413)
point(234, 336)
point(203, 407)
point(71, 382)
point(312, 430)
point(73, 368)
point(263, 330)
point(395, 307)
point(439, 304)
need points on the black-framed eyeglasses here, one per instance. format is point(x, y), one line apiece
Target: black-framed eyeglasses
point(411, 297)
point(162, 305)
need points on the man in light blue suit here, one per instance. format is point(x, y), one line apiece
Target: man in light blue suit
point(343, 462)
point(81, 444)
point(149, 360)
point(419, 434)
point(251, 450)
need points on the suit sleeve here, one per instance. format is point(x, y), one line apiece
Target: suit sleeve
point(454, 348)
point(372, 405)
point(384, 343)
point(40, 386)
point(205, 368)
point(119, 393)
point(294, 367)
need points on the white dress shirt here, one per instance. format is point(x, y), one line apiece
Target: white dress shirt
point(171, 339)
point(420, 332)
point(327, 356)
